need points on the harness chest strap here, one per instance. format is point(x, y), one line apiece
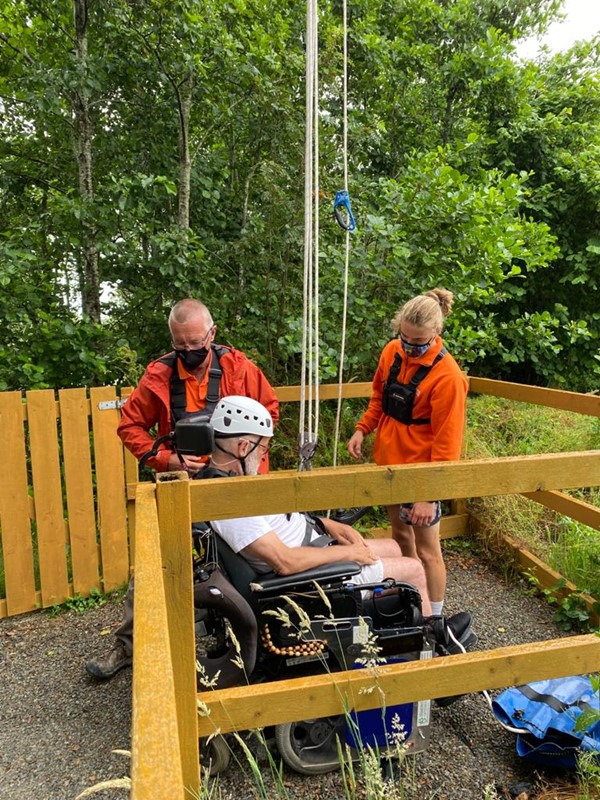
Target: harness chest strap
point(416, 379)
point(177, 395)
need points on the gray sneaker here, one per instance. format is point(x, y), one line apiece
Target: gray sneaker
point(115, 659)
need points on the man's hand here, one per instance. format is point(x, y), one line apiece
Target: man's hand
point(191, 464)
point(360, 553)
point(342, 533)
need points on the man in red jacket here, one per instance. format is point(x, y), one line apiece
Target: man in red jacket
point(190, 379)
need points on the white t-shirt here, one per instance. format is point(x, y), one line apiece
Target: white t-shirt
point(240, 532)
point(291, 529)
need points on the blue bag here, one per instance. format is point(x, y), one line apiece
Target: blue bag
point(544, 714)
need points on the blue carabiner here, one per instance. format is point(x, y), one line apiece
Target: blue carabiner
point(342, 200)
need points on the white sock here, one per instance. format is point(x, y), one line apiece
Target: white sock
point(436, 608)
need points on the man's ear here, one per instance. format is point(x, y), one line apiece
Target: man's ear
point(243, 447)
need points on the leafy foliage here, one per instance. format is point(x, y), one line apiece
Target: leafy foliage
point(468, 169)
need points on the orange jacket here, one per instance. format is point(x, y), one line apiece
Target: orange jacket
point(440, 396)
point(149, 404)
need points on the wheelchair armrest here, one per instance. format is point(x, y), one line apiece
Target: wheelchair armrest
point(339, 571)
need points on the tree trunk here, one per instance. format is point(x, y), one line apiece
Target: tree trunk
point(185, 162)
point(89, 274)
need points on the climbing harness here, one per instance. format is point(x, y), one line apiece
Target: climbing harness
point(177, 398)
point(398, 399)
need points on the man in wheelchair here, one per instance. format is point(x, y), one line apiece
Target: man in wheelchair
point(308, 589)
point(293, 543)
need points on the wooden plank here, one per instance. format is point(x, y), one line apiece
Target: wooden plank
point(552, 398)
point(569, 506)
point(47, 494)
point(74, 416)
point(265, 704)
point(548, 577)
point(156, 771)
point(175, 521)
point(15, 526)
point(346, 487)
point(110, 482)
point(455, 525)
point(131, 478)
point(327, 391)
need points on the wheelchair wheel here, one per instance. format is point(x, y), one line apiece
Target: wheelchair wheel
point(214, 755)
point(310, 746)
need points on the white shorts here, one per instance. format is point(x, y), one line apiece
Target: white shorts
point(370, 573)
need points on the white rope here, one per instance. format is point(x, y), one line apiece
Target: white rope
point(347, 247)
point(309, 406)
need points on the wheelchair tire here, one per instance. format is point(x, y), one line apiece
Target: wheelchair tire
point(214, 755)
point(310, 747)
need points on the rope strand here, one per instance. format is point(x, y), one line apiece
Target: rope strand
point(338, 415)
point(309, 389)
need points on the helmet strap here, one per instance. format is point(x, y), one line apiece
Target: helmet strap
point(241, 459)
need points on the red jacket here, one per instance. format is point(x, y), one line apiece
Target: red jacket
point(441, 396)
point(149, 403)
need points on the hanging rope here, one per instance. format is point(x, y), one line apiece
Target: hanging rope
point(349, 227)
point(309, 388)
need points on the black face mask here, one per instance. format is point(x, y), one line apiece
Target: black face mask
point(191, 359)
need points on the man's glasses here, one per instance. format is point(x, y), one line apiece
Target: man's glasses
point(264, 447)
point(195, 344)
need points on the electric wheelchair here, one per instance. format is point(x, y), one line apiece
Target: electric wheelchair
point(255, 628)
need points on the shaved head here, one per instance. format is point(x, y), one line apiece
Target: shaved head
point(188, 310)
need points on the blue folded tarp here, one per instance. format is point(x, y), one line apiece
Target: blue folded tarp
point(544, 716)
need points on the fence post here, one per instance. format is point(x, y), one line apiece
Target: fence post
point(175, 521)
point(156, 762)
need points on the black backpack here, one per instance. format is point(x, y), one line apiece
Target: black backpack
point(399, 398)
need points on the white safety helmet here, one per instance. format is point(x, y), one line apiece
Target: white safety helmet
point(239, 416)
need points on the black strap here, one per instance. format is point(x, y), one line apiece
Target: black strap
point(177, 395)
point(550, 700)
point(395, 369)
point(416, 379)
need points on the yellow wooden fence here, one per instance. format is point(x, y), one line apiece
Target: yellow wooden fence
point(67, 488)
point(166, 764)
point(63, 516)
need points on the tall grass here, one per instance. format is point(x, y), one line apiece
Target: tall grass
point(498, 427)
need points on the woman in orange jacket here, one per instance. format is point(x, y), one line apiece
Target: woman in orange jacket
point(417, 407)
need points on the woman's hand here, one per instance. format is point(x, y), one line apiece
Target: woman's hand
point(421, 514)
point(355, 444)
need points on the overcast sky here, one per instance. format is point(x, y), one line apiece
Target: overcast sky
point(582, 22)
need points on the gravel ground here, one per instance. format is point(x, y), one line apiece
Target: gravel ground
point(58, 727)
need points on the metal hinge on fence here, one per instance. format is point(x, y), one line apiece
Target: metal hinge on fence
point(105, 405)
